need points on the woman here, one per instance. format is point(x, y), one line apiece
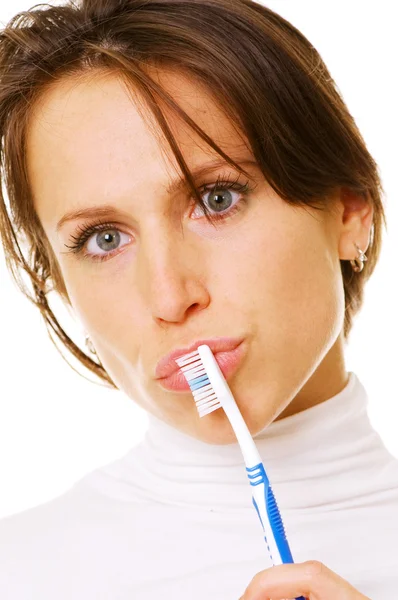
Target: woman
point(179, 171)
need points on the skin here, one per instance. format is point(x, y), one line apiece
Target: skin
point(310, 579)
point(270, 273)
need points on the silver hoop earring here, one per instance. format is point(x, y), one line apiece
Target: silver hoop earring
point(90, 346)
point(358, 262)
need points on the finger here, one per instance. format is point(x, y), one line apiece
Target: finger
point(311, 579)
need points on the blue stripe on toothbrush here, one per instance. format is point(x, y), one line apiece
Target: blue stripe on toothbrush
point(198, 382)
point(257, 476)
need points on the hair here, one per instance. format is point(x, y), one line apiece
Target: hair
point(264, 74)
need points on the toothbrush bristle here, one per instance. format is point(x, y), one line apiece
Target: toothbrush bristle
point(194, 371)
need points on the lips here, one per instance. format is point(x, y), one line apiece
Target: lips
point(227, 361)
point(167, 365)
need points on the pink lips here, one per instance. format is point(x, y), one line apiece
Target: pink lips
point(227, 351)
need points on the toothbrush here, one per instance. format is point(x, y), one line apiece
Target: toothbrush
point(211, 392)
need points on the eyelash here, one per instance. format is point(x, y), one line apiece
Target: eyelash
point(85, 232)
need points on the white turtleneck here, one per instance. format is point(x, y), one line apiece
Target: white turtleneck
point(174, 519)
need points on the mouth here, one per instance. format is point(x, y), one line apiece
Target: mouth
point(167, 365)
point(228, 361)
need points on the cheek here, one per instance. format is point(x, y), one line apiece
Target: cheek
point(290, 282)
point(95, 301)
point(82, 294)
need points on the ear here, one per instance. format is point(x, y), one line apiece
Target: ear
point(356, 218)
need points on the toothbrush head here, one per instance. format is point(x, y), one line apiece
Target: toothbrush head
point(194, 371)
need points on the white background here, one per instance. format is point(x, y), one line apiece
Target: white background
point(55, 426)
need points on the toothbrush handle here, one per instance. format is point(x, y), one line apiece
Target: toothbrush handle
point(268, 512)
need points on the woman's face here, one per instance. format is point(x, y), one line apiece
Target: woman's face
point(269, 272)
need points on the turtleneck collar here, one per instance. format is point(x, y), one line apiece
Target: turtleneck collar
point(279, 439)
point(315, 457)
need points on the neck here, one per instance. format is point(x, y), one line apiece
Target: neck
point(329, 379)
point(186, 471)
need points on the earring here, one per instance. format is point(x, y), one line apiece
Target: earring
point(357, 263)
point(89, 345)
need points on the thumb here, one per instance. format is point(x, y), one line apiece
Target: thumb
point(311, 579)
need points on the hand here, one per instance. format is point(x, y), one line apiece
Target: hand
point(310, 579)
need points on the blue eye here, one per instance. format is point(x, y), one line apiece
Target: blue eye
point(106, 240)
point(216, 203)
point(107, 237)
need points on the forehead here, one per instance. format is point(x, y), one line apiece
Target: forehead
point(92, 141)
point(95, 128)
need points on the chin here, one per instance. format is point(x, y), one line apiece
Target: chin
point(215, 428)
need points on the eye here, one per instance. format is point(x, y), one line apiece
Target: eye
point(100, 241)
point(105, 237)
point(106, 241)
point(220, 199)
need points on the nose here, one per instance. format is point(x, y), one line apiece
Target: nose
point(172, 274)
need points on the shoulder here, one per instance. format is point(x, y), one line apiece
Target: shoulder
point(73, 545)
point(87, 501)
point(38, 529)
point(29, 540)
point(48, 551)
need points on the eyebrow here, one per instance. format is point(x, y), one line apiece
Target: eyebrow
point(175, 186)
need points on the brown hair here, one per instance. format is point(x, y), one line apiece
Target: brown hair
point(267, 77)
